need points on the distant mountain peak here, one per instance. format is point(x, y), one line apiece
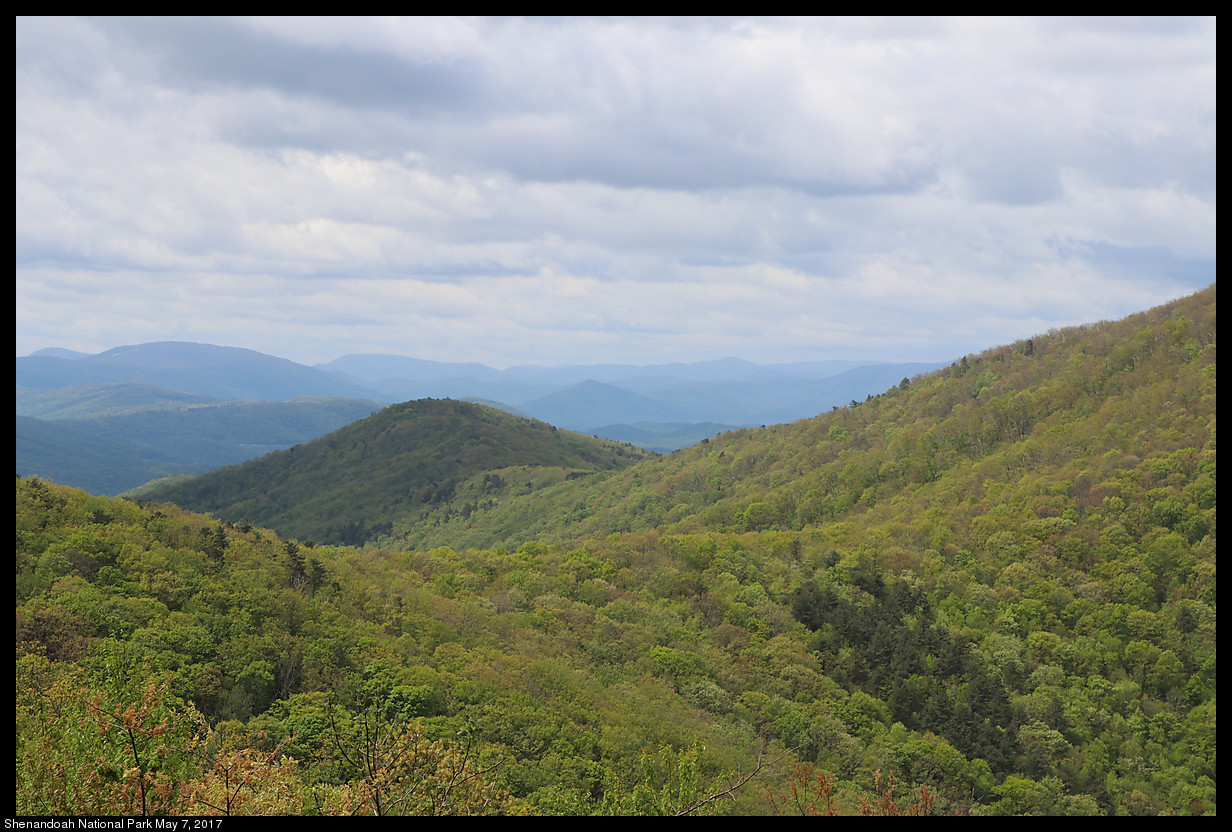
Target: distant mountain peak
point(60, 352)
point(396, 463)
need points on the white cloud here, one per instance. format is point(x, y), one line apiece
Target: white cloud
point(589, 190)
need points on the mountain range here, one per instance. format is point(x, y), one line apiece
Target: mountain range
point(160, 408)
point(986, 408)
point(986, 590)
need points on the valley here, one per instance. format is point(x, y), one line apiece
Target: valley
point(988, 589)
point(113, 421)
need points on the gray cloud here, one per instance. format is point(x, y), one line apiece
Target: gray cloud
point(519, 191)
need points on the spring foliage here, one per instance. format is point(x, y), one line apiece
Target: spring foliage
point(988, 591)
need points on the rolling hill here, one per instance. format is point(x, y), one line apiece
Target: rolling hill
point(140, 433)
point(1072, 406)
point(112, 399)
point(352, 484)
point(1061, 406)
point(987, 591)
point(674, 402)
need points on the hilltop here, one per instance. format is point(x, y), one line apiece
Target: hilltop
point(395, 466)
point(1066, 406)
point(987, 591)
point(1075, 405)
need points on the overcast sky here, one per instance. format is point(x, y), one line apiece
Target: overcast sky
point(582, 191)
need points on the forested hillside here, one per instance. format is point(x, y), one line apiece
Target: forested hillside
point(115, 399)
point(127, 436)
point(990, 590)
point(398, 464)
point(1074, 410)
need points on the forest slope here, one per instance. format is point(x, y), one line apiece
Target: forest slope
point(996, 584)
point(1074, 407)
point(111, 452)
point(353, 483)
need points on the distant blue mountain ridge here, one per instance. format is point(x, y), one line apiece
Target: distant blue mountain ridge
point(175, 407)
point(727, 391)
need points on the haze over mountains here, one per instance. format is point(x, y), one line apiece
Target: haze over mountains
point(150, 410)
point(986, 408)
point(996, 582)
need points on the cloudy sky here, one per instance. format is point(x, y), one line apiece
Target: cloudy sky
point(580, 191)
